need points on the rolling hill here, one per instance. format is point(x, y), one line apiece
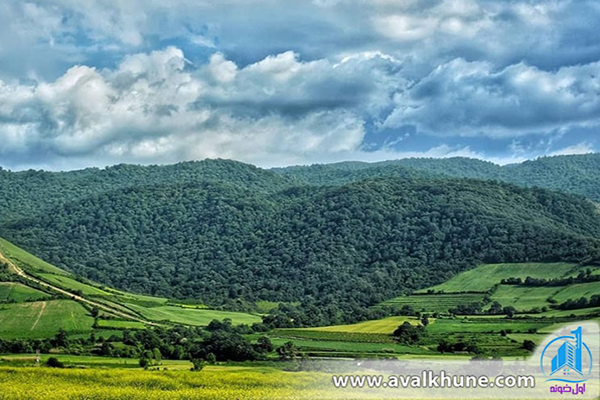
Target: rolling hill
point(344, 247)
point(37, 299)
point(333, 240)
point(577, 174)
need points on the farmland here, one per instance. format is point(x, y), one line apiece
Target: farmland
point(21, 316)
point(11, 291)
point(190, 316)
point(386, 326)
point(213, 383)
point(43, 319)
point(484, 277)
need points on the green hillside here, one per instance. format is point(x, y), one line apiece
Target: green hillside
point(17, 292)
point(486, 284)
point(43, 319)
point(484, 277)
point(21, 316)
point(577, 174)
point(340, 248)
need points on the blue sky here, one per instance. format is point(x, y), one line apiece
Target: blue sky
point(99, 82)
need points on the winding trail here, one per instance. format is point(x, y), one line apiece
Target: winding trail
point(18, 271)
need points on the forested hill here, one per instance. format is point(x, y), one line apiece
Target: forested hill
point(337, 249)
point(32, 192)
point(577, 174)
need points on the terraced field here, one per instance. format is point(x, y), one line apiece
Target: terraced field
point(484, 277)
point(386, 326)
point(12, 291)
point(189, 316)
point(524, 298)
point(119, 324)
point(577, 291)
point(72, 284)
point(43, 319)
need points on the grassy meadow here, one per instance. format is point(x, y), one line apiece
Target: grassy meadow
point(191, 316)
point(42, 319)
point(17, 292)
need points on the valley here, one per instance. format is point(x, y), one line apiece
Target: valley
point(282, 272)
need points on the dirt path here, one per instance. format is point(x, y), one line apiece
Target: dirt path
point(17, 270)
point(42, 308)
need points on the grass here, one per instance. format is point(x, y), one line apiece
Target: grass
point(524, 298)
point(71, 284)
point(214, 382)
point(19, 292)
point(386, 325)
point(331, 336)
point(484, 325)
point(43, 319)
point(24, 360)
point(188, 316)
point(28, 261)
point(136, 298)
point(577, 291)
point(434, 302)
point(354, 348)
point(120, 324)
point(484, 277)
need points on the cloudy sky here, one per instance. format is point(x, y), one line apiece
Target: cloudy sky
point(280, 82)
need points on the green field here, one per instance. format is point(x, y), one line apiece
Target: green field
point(524, 298)
point(28, 261)
point(43, 319)
point(577, 291)
point(190, 316)
point(434, 302)
point(24, 360)
point(483, 325)
point(484, 277)
point(350, 348)
point(19, 292)
point(120, 324)
point(72, 284)
point(386, 325)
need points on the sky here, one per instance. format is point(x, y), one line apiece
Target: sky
point(285, 82)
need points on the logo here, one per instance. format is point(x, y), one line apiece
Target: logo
point(567, 359)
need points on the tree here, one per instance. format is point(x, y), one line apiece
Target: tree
point(425, 320)
point(263, 345)
point(528, 345)
point(225, 346)
point(287, 351)
point(495, 308)
point(54, 363)
point(144, 363)
point(444, 347)
point(95, 312)
point(408, 334)
point(61, 339)
point(510, 311)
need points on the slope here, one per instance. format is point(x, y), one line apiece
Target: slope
point(577, 174)
point(338, 248)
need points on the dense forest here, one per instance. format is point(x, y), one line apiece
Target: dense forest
point(579, 174)
point(231, 234)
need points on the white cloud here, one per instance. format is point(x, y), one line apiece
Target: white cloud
point(473, 99)
point(581, 148)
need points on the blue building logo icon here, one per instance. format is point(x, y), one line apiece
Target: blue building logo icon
point(571, 359)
